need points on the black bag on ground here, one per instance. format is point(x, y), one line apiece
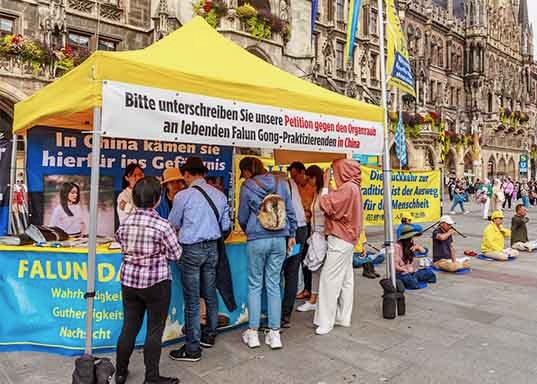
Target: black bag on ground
point(401, 304)
point(92, 370)
point(393, 299)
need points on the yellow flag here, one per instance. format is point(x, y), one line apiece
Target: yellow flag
point(399, 69)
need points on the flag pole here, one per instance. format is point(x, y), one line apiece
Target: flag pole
point(387, 172)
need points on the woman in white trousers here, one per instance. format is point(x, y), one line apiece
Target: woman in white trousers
point(336, 288)
point(343, 211)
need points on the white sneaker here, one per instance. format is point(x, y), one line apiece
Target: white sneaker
point(273, 340)
point(322, 331)
point(250, 337)
point(452, 213)
point(307, 307)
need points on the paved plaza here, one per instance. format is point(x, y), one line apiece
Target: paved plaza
point(478, 328)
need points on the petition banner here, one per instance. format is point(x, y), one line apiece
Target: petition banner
point(137, 112)
point(415, 192)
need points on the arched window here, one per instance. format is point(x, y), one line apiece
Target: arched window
point(441, 54)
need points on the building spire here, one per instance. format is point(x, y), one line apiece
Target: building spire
point(523, 13)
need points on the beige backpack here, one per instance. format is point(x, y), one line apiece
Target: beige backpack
point(272, 214)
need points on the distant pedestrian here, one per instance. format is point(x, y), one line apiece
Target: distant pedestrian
point(200, 228)
point(148, 243)
point(508, 190)
point(458, 199)
point(344, 220)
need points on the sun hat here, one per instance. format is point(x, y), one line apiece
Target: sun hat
point(447, 219)
point(408, 232)
point(496, 215)
point(171, 174)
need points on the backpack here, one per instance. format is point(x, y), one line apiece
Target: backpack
point(272, 214)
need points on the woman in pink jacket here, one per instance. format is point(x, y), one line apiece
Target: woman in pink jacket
point(343, 211)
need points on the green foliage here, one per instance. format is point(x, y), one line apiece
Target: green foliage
point(258, 28)
point(212, 18)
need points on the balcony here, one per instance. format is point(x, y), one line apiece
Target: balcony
point(110, 10)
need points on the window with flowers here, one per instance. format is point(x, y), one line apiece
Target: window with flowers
point(7, 25)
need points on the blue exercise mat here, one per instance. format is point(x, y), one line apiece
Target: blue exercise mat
point(485, 258)
point(459, 272)
point(421, 285)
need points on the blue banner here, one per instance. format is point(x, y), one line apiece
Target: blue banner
point(43, 306)
point(58, 156)
point(5, 166)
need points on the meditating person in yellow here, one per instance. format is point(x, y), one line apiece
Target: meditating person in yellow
point(493, 243)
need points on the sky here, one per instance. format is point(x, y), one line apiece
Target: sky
point(532, 10)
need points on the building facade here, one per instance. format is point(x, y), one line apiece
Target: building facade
point(475, 109)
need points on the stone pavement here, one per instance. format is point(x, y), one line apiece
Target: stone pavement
point(476, 328)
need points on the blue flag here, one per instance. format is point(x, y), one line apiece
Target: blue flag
point(314, 7)
point(400, 141)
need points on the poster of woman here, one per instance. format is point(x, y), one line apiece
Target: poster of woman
point(66, 204)
point(68, 215)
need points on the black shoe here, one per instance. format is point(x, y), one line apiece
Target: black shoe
point(163, 380)
point(121, 378)
point(369, 271)
point(207, 341)
point(181, 354)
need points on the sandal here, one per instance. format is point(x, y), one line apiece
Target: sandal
point(303, 295)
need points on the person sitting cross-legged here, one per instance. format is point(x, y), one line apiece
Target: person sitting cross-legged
point(443, 250)
point(404, 261)
point(519, 231)
point(493, 243)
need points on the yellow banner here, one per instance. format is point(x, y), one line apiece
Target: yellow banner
point(414, 192)
point(399, 70)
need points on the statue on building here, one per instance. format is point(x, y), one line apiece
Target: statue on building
point(329, 54)
point(284, 10)
point(52, 24)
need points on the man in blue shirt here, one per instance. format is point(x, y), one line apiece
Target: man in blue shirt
point(199, 231)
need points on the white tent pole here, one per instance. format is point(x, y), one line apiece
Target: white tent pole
point(388, 227)
point(12, 182)
point(92, 233)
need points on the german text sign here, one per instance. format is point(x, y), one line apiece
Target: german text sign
point(131, 111)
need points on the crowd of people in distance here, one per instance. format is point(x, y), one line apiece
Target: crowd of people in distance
point(493, 195)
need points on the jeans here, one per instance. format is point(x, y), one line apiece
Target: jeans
point(291, 267)
point(457, 202)
point(412, 280)
point(198, 276)
point(265, 259)
point(526, 201)
point(154, 300)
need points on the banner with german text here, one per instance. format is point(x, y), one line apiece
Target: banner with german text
point(399, 69)
point(414, 192)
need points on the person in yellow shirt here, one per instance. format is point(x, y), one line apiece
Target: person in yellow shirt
point(493, 243)
point(362, 259)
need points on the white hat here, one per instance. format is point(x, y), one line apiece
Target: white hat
point(447, 219)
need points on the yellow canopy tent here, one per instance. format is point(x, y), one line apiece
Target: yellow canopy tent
point(194, 59)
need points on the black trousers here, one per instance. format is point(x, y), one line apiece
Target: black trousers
point(154, 300)
point(305, 270)
point(508, 200)
point(291, 266)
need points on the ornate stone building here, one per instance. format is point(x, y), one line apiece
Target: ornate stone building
point(473, 61)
